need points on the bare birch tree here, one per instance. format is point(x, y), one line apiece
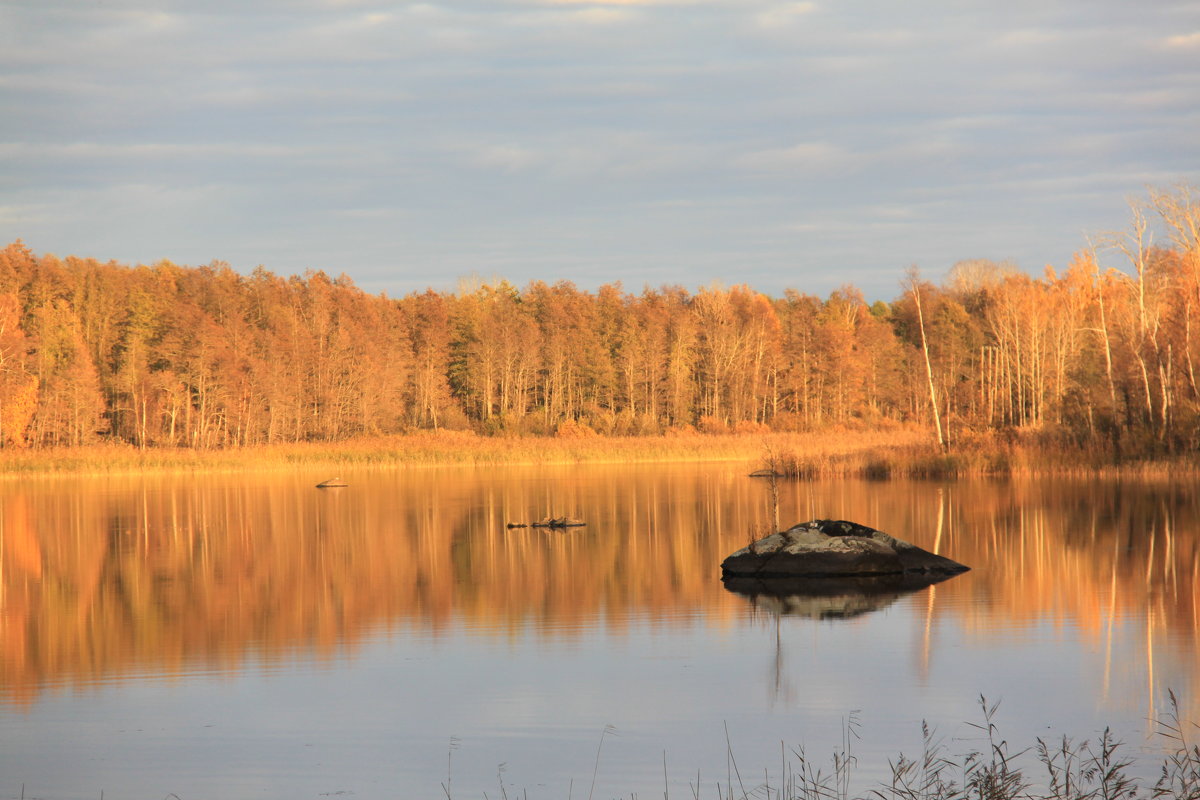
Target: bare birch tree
point(912, 282)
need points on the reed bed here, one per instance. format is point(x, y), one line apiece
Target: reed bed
point(906, 452)
point(986, 456)
point(1047, 769)
point(446, 448)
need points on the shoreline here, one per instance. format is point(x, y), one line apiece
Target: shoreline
point(442, 448)
point(873, 455)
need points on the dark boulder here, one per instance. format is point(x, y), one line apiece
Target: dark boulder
point(834, 548)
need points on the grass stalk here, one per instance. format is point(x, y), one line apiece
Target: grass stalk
point(733, 762)
point(596, 769)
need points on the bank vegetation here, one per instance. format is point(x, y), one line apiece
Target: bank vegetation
point(1098, 360)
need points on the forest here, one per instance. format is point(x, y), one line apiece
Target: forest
point(204, 357)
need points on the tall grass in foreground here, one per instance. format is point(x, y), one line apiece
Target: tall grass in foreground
point(1062, 769)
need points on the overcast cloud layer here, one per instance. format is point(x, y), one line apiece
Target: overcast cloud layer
point(779, 144)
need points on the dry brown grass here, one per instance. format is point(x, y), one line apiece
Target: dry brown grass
point(832, 453)
point(1014, 454)
point(451, 447)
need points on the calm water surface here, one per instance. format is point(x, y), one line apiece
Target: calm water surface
point(254, 637)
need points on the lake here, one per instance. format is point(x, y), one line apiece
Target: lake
point(251, 636)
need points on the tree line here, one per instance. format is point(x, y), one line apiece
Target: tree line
point(205, 357)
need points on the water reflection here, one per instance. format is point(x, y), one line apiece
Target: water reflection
point(105, 578)
point(829, 598)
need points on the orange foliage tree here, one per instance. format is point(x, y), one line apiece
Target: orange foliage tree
point(206, 357)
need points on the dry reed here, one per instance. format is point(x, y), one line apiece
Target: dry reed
point(1066, 770)
point(441, 448)
point(834, 453)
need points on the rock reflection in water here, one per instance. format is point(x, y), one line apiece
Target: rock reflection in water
point(829, 598)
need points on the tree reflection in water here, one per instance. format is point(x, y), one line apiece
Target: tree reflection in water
point(106, 578)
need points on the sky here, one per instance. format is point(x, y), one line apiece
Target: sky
point(778, 144)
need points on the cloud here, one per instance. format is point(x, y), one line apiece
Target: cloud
point(783, 15)
point(604, 15)
point(388, 213)
point(87, 151)
point(803, 157)
point(506, 158)
point(1029, 38)
point(559, 17)
point(633, 2)
point(1188, 41)
point(624, 157)
point(632, 123)
point(22, 217)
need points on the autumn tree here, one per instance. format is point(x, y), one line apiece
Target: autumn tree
point(494, 357)
point(70, 404)
point(18, 387)
point(428, 323)
point(168, 355)
point(799, 381)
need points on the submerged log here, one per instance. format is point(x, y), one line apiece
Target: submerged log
point(559, 522)
point(556, 522)
point(332, 483)
point(833, 548)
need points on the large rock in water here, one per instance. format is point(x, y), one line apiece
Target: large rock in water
point(834, 548)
